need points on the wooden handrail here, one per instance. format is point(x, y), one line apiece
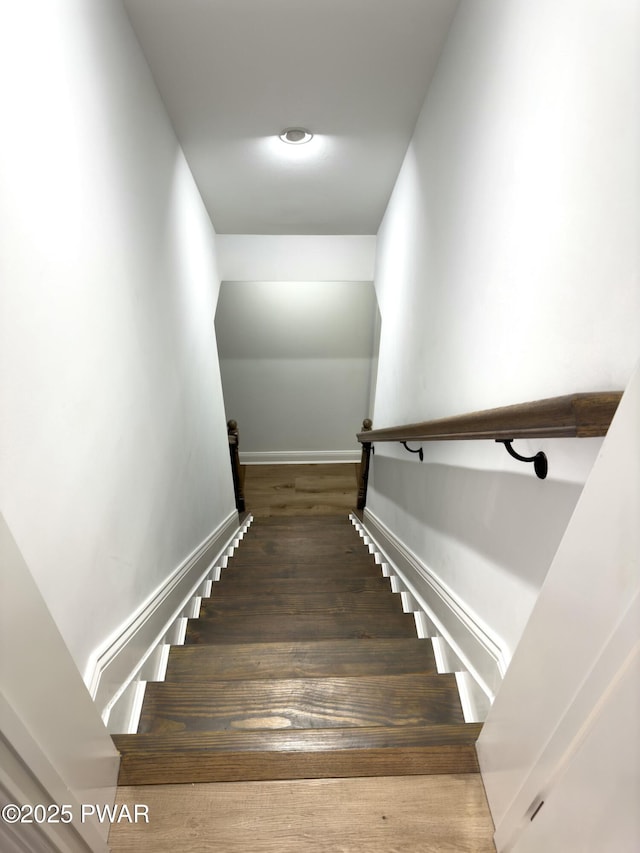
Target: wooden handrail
point(571, 416)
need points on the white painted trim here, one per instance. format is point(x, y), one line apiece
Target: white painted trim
point(53, 745)
point(28, 776)
point(439, 651)
point(475, 704)
point(468, 641)
point(300, 457)
point(118, 661)
point(122, 715)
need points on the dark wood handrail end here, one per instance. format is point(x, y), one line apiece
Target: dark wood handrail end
point(234, 454)
point(365, 458)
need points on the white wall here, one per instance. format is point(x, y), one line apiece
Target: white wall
point(296, 361)
point(114, 458)
point(299, 385)
point(507, 272)
point(297, 257)
point(53, 746)
point(564, 727)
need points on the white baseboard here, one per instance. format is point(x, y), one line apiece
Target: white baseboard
point(460, 641)
point(301, 457)
point(136, 652)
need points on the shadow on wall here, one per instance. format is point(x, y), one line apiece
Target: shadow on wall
point(298, 362)
point(516, 521)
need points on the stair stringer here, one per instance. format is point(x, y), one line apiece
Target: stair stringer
point(460, 643)
point(119, 675)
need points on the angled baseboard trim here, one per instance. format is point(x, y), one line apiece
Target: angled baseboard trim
point(468, 642)
point(118, 664)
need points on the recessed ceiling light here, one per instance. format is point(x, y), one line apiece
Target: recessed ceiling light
point(296, 135)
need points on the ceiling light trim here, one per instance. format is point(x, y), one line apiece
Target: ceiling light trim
point(296, 135)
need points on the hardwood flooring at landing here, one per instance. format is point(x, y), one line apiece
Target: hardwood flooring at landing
point(409, 814)
point(288, 490)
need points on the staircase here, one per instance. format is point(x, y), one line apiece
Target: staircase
point(302, 664)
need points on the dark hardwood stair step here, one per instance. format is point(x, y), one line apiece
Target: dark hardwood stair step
point(296, 605)
point(302, 665)
point(301, 703)
point(273, 628)
point(301, 522)
point(264, 570)
point(302, 549)
point(231, 756)
point(321, 658)
point(234, 584)
point(332, 529)
point(304, 546)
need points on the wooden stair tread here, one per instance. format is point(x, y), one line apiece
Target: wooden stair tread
point(262, 570)
point(310, 531)
point(303, 548)
point(292, 740)
point(320, 536)
point(301, 665)
point(269, 627)
point(294, 754)
point(297, 604)
point(341, 702)
point(300, 521)
point(309, 538)
point(302, 659)
point(338, 542)
point(231, 585)
point(313, 506)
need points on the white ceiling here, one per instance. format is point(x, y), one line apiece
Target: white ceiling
point(234, 73)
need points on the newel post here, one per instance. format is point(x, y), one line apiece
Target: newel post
point(234, 453)
point(363, 480)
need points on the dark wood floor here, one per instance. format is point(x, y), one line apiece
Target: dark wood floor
point(391, 814)
point(300, 490)
point(302, 664)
